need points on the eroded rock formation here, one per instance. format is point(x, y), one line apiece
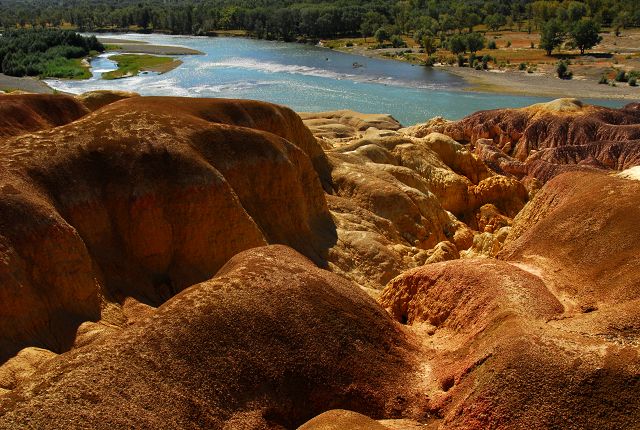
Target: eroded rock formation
point(546, 336)
point(142, 199)
point(546, 139)
point(269, 342)
point(137, 288)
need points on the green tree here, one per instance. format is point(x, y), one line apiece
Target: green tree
point(585, 34)
point(457, 44)
point(371, 22)
point(576, 11)
point(551, 36)
point(475, 42)
point(381, 35)
point(495, 21)
point(429, 45)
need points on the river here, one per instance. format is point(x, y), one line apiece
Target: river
point(304, 77)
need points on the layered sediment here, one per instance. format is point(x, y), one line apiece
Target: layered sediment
point(211, 263)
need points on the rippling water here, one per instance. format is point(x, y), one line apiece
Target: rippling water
point(306, 78)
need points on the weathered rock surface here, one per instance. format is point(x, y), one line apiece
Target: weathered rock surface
point(339, 419)
point(141, 199)
point(335, 127)
point(269, 342)
point(581, 230)
point(547, 336)
point(94, 100)
point(396, 197)
point(23, 113)
point(547, 139)
point(136, 289)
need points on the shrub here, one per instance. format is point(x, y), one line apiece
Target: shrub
point(621, 76)
point(508, 44)
point(429, 62)
point(562, 69)
point(461, 60)
point(397, 42)
point(603, 80)
point(522, 66)
point(633, 82)
point(349, 44)
point(485, 61)
point(492, 45)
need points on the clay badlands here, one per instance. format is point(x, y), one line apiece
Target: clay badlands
point(173, 263)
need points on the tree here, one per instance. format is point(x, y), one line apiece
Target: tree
point(551, 36)
point(381, 35)
point(457, 44)
point(576, 11)
point(585, 34)
point(495, 21)
point(475, 42)
point(371, 22)
point(429, 45)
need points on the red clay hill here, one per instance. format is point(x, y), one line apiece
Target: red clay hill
point(209, 263)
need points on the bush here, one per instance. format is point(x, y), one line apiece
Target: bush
point(562, 69)
point(429, 62)
point(621, 76)
point(461, 60)
point(603, 80)
point(508, 44)
point(492, 45)
point(485, 61)
point(522, 66)
point(397, 42)
point(349, 44)
point(633, 82)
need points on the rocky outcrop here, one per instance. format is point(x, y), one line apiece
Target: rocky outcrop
point(269, 342)
point(547, 139)
point(134, 271)
point(547, 335)
point(141, 199)
point(338, 419)
point(336, 127)
point(94, 100)
point(581, 230)
point(24, 113)
point(395, 198)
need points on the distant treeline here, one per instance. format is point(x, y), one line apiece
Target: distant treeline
point(45, 52)
point(288, 20)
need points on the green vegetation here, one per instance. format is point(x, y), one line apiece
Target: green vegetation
point(585, 34)
point(551, 36)
point(563, 70)
point(313, 19)
point(46, 53)
point(132, 64)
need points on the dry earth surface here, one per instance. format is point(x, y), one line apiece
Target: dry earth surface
point(209, 263)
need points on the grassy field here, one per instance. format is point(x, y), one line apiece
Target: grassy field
point(67, 68)
point(132, 64)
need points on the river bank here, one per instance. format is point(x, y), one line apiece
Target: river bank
point(26, 84)
point(539, 77)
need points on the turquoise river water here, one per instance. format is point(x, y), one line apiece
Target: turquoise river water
point(304, 77)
